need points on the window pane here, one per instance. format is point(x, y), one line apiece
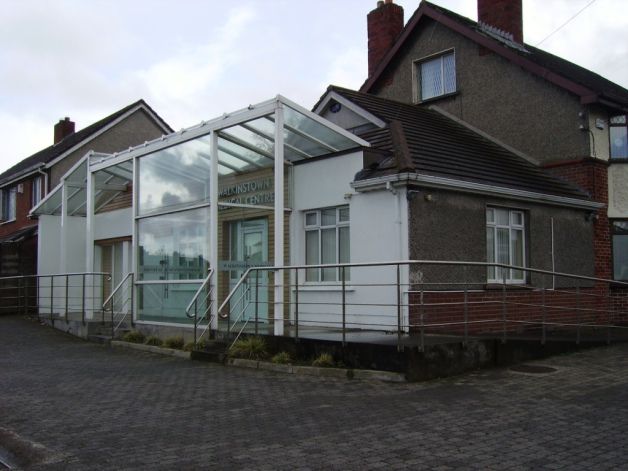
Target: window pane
point(516, 218)
point(502, 217)
point(165, 302)
point(328, 253)
point(490, 215)
point(621, 119)
point(503, 249)
point(620, 257)
point(431, 80)
point(449, 70)
point(343, 214)
point(517, 253)
point(311, 255)
point(490, 251)
point(343, 248)
point(619, 141)
point(311, 219)
point(328, 217)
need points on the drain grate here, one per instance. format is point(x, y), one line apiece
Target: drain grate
point(532, 369)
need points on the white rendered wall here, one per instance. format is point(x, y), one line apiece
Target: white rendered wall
point(112, 224)
point(379, 233)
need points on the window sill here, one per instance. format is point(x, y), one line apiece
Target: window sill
point(7, 222)
point(436, 98)
point(323, 288)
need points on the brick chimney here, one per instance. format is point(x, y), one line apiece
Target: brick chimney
point(384, 25)
point(506, 15)
point(63, 129)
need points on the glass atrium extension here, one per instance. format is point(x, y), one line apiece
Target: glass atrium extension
point(158, 198)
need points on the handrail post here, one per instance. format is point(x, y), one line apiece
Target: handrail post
point(466, 305)
point(67, 281)
point(399, 347)
point(504, 313)
point(296, 305)
point(344, 306)
point(37, 293)
point(579, 313)
point(543, 311)
point(132, 299)
point(195, 319)
point(52, 290)
point(421, 320)
point(256, 302)
point(83, 298)
point(611, 309)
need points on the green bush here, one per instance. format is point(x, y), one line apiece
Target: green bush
point(133, 336)
point(153, 340)
point(324, 360)
point(174, 342)
point(252, 348)
point(282, 358)
point(200, 345)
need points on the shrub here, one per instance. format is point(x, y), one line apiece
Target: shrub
point(200, 345)
point(174, 342)
point(133, 336)
point(325, 360)
point(283, 358)
point(153, 340)
point(252, 348)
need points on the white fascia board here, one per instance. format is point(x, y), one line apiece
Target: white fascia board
point(332, 95)
point(323, 121)
point(205, 127)
point(476, 188)
point(494, 140)
point(24, 174)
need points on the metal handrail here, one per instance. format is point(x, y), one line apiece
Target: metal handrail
point(198, 293)
point(115, 290)
point(56, 274)
point(409, 262)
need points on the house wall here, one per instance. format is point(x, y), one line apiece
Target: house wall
point(378, 232)
point(452, 226)
point(134, 130)
point(113, 224)
point(503, 100)
point(23, 202)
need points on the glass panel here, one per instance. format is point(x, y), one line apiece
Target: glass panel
point(165, 302)
point(620, 257)
point(490, 215)
point(174, 177)
point(503, 250)
point(449, 70)
point(328, 217)
point(620, 227)
point(431, 80)
point(174, 246)
point(343, 215)
point(311, 255)
point(621, 119)
point(311, 219)
point(328, 253)
point(516, 218)
point(490, 251)
point(344, 248)
point(502, 217)
point(619, 141)
point(516, 240)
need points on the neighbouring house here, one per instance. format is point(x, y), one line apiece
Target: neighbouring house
point(567, 119)
point(25, 184)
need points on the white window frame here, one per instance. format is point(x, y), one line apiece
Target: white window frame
point(617, 122)
point(8, 204)
point(318, 227)
point(36, 191)
point(495, 274)
point(417, 76)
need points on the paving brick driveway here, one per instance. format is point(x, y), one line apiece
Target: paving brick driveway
point(92, 407)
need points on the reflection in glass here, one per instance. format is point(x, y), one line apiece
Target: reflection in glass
point(175, 177)
point(174, 246)
point(165, 302)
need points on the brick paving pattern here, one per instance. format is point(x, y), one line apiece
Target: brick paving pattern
point(92, 407)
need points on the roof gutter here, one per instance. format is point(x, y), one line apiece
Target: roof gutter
point(430, 181)
point(23, 174)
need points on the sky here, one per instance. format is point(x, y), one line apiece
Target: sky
point(193, 60)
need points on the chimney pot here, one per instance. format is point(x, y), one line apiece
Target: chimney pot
point(63, 129)
point(506, 15)
point(384, 25)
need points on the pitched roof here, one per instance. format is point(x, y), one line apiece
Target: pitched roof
point(438, 146)
point(589, 86)
point(52, 152)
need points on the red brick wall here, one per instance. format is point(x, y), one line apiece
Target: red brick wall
point(23, 206)
point(592, 176)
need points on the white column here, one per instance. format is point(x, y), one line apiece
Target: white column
point(92, 282)
point(279, 217)
point(213, 225)
point(63, 263)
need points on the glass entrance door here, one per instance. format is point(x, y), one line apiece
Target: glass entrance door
point(249, 248)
